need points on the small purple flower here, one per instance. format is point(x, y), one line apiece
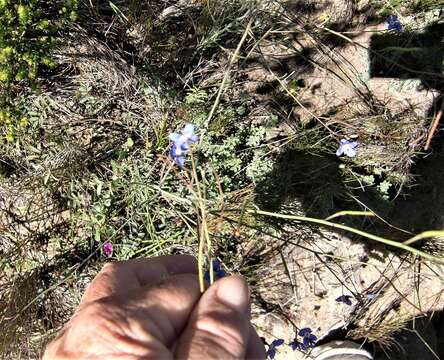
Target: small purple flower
point(346, 299)
point(180, 144)
point(371, 296)
point(178, 155)
point(347, 148)
point(271, 352)
point(308, 338)
point(217, 270)
point(107, 249)
point(393, 23)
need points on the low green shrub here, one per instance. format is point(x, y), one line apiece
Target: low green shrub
point(28, 33)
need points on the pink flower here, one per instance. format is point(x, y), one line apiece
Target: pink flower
point(107, 249)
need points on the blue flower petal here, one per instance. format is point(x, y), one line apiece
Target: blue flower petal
point(220, 274)
point(304, 331)
point(271, 353)
point(296, 345)
point(217, 270)
point(277, 342)
point(194, 138)
point(394, 23)
point(207, 276)
point(349, 151)
point(346, 299)
point(216, 264)
point(188, 130)
point(180, 160)
point(181, 144)
point(309, 341)
point(173, 151)
point(174, 137)
point(392, 18)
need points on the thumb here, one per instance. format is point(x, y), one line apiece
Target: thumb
point(219, 326)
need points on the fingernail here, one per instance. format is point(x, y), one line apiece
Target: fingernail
point(233, 291)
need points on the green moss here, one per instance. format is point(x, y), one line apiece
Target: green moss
point(23, 14)
point(26, 41)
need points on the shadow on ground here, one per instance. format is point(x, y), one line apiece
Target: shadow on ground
point(421, 208)
point(410, 55)
point(422, 338)
point(301, 179)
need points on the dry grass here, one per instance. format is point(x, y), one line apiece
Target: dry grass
point(92, 165)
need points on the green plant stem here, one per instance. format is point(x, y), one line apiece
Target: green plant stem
point(425, 235)
point(202, 225)
point(227, 73)
point(350, 213)
point(379, 239)
point(205, 228)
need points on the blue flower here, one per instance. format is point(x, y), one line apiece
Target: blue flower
point(217, 270)
point(308, 339)
point(345, 299)
point(393, 23)
point(371, 296)
point(178, 155)
point(296, 345)
point(271, 352)
point(180, 144)
point(347, 148)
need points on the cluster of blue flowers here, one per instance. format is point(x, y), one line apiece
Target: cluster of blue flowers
point(393, 23)
point(217, 271)
point(308, 341)
point(180, 144)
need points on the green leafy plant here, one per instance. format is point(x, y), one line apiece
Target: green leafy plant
point(231, 147)
point(386, 7)
point(28, 33)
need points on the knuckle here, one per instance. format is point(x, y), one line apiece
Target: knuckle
point(95, 310)
point(110, 267)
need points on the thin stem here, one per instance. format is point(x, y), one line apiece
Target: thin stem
point(351, 213)
point(425, 235)
point(205, 229)
point(382, 240)
point(227, 72)
point(200, 256)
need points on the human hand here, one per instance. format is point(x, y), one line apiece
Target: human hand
point(153, 309)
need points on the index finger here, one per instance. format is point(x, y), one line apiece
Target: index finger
point(123, 276)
